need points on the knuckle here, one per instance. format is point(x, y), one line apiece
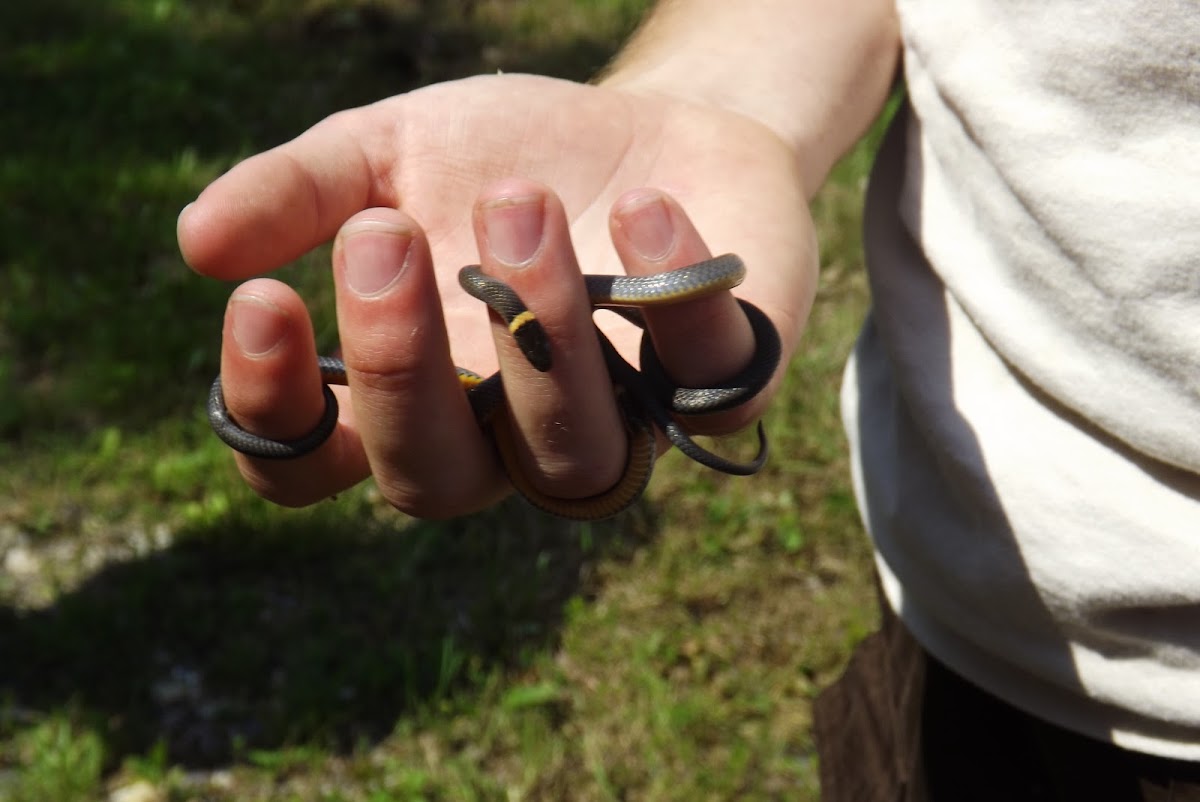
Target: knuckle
point(279, 491)
point(381, 376)
point(305, 481)
point(384, 395)
point(562, 476)
point(435, 502)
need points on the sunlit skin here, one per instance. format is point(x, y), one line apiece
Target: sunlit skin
point(537, 180)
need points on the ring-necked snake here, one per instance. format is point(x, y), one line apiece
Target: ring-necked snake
point(647, 399)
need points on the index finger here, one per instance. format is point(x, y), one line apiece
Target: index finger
point(278, 205)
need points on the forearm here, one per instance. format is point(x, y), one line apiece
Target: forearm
point(816, 72)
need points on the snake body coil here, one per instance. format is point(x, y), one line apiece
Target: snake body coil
point(647, 399)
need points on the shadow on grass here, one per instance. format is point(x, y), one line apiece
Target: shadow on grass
point(115, 114)
point(252, 637)
point(285, 628)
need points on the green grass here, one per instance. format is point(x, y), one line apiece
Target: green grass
point(161, 625)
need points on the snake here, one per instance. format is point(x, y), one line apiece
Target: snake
point(646, 398)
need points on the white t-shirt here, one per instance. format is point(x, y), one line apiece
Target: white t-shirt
point(1024, 403)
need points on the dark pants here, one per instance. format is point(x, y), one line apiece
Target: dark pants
point(901, 727)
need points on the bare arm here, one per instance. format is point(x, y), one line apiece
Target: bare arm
point(816, 72)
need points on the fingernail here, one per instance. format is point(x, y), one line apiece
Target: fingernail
point(258, 325)
point(179, 233)
point(646, 221)
point(183, 212)
point(513, 227)
point(374, 254)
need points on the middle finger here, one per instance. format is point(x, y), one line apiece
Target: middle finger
point(571, 440)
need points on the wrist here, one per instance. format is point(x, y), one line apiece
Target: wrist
point(816, 73)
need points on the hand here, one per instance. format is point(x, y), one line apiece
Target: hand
point(369, 175)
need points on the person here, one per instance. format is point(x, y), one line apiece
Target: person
point(1021, 407)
